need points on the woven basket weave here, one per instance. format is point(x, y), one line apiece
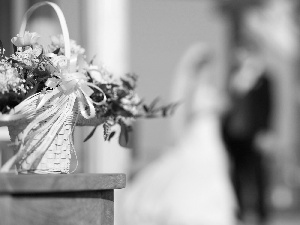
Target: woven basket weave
point(55, 160)
point(31, 155)
point(48, 151)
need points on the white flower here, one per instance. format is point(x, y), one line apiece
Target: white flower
point(27, 39)
point(98, 75)
point(59, 61)
point(9, 77)
point(27, 57)
point(76, 49)
point(58, 42)
point(130, 103)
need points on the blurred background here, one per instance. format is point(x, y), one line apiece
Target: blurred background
point(236, 61)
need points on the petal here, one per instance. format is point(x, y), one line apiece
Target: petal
point(18, 41)
point(26, 40)
point(34, 37)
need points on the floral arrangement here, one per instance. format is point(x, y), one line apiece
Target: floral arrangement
point(31, 68)
point(45, 91)
point(54, 93)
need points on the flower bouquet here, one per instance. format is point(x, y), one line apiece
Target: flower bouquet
point(45, 91)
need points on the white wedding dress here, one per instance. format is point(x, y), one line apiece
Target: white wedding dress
point(190, 184)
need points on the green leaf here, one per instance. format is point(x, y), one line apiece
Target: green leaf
point(164, 112)
point(90, 134)
point(106, 130)
point(125, 129)
point(126, 136)
point(111, 135)
point(127, 84)
point(146, 109)
point(132, 76)
point(153, 104)
point(56, 51)
point(92, 60)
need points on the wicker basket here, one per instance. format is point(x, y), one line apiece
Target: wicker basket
point(39, 150)
point(56, 159)
point(55, 156)
point(43, 143)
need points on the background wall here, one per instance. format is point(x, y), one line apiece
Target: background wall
point(160, 33)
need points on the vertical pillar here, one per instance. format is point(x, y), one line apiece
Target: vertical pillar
point(106, 29)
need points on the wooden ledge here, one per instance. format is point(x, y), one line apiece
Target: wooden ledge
point(34, 183)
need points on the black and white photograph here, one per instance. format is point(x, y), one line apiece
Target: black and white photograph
point(150, 112)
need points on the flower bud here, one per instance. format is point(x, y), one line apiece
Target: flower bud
point(27, 39)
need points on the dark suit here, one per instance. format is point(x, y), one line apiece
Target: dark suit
point(249, 115)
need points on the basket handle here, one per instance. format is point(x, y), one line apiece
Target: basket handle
point(62, 21)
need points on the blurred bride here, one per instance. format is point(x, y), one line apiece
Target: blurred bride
point(189, 184)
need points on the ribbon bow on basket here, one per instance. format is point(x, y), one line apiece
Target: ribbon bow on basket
point(46, 91)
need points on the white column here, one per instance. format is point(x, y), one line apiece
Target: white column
point(107, 38)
